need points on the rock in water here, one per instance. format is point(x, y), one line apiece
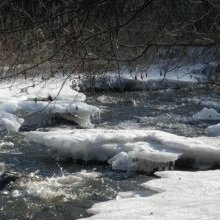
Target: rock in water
point(5, 179)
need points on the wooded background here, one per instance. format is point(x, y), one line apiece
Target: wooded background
point(101, 35)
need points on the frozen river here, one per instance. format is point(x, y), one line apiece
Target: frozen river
point(43, 186)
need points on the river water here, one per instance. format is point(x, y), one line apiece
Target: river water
point(45, 187)
point(167, 110)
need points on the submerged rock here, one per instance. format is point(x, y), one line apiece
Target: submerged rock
point(6, 179)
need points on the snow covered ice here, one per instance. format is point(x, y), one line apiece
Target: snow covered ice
point(132, 150)
point(25, 97)
point(182, 195)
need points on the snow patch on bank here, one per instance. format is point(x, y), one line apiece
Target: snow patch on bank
point(155, 77)
point(132, 150)
point(183, 195)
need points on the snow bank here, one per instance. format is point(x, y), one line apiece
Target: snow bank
point(135, 150)
point(26, 97)
point(213, 130)
point(207, 114)
point(183, 195)
point(154, 77)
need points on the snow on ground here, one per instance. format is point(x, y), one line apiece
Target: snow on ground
point(183, 195)
point(25, 97)
point(209, 114)
point(154, 77)
point(132, 150)
point(213, 130)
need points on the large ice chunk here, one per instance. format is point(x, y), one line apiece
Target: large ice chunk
point(27, 98)
point(144, 150)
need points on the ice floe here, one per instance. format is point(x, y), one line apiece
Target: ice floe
point(213, 130)
point(209, 114)
point(183, 195)
point(132, 150)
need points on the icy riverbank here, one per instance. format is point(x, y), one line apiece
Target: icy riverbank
point(153, 77)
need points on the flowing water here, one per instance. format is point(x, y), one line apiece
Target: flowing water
point(37, 185)
point(45, 188)
point(167, 110)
